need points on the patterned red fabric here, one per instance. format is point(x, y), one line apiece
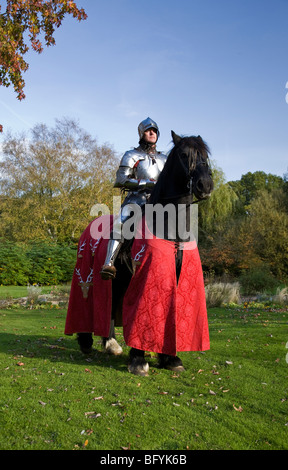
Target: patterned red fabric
point(159, 314)
point(90, 314)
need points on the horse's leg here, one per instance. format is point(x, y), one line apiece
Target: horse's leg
point(173, 363)
point(110, 344)
point(85, 341)
point(119, 287)
point(137, 363)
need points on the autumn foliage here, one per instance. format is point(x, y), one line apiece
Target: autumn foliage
point(34, 17)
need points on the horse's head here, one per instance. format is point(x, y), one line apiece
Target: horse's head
point(186, 173)
point(193, 155)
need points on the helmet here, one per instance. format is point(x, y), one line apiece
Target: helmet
point(145, 125)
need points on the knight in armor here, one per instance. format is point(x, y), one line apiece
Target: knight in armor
point(138, 172)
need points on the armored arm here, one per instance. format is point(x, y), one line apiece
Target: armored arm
point(125, 176)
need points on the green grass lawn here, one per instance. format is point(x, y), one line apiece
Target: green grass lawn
point(13, 292)
point(52, 397)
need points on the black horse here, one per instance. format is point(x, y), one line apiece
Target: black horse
point(186, 176)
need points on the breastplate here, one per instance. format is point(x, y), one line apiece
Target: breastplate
point(149, 168)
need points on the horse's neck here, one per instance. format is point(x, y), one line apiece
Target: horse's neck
point(171, 222)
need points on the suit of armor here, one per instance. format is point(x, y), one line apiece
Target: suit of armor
point(138, 172)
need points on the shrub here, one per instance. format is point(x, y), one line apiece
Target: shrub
point(14, 265)
point(220, 293)
point(38, 263)
point(51, 264)
point(281, 296)
point(257, 280)
point(33, 293)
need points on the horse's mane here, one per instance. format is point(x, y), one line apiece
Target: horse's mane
point(195, 144)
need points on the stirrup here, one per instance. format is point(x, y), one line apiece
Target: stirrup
point(108, 272)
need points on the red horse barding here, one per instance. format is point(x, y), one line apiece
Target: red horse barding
point(90, 302)
point(159, 313)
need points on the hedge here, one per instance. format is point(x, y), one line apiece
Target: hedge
point(37, 263)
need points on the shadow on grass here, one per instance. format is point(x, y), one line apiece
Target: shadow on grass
point(64, 349)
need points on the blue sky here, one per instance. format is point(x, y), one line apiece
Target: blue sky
point(217, 68)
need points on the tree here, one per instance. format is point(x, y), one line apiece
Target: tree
point(215, 215)
point(35, 17)
point(248, 186)
point(49, 182)
point(244, 225)
point(268, 226)
point(256, 241)
point(220, 207)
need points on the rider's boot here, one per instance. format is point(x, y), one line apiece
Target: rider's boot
point(108, 270)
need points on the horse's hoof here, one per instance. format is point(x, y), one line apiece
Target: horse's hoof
point(108, 272)
point(138, 366)
point(85, 342)
point(86, 350)
point(170, 363)
point(112, 347)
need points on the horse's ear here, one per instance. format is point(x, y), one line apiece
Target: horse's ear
point(176, 138)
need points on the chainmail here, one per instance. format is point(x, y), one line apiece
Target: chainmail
point(147, 147)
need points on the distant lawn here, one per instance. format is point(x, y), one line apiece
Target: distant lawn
point(15, 292)
point(234, 396)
